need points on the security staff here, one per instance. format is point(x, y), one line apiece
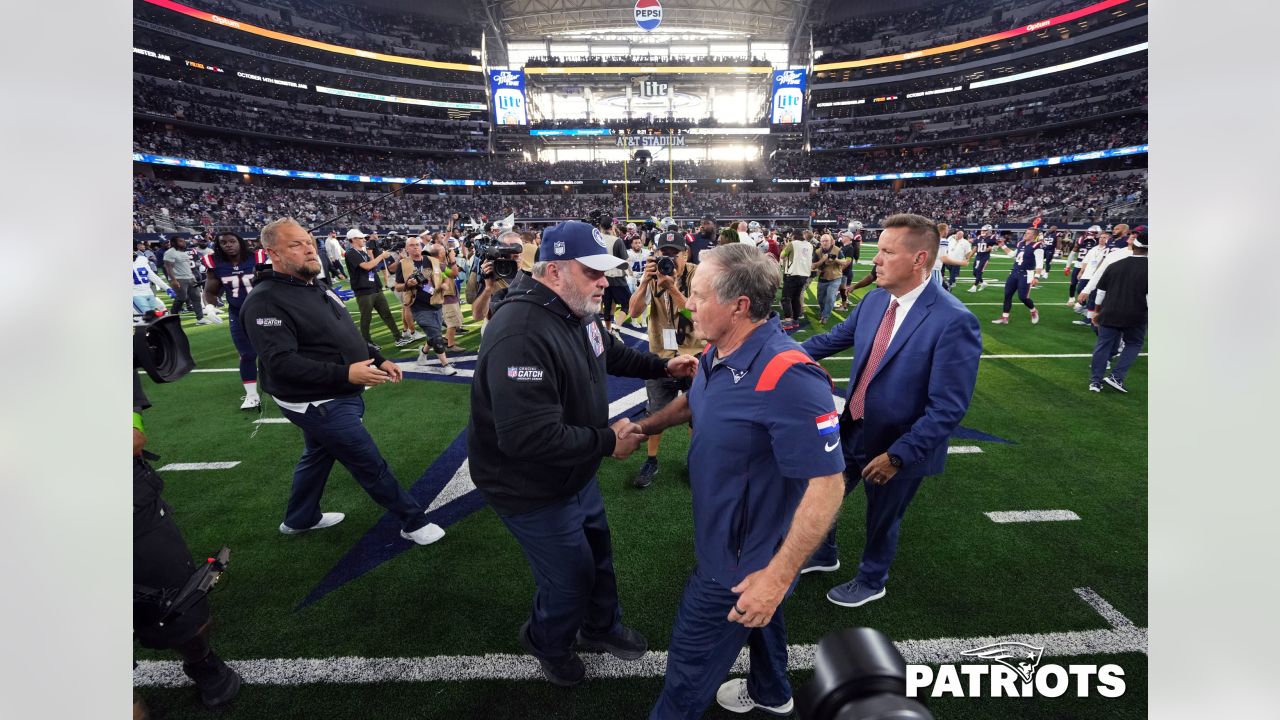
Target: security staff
point(538, 431)
point(316, 365)
point(765, 470)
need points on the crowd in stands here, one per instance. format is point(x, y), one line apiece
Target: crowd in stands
point(623, 60)
point(1076, 103)
point(251, 44)
point(369, 28)
point(162, 205)
point(1105, 134)
point(929, 26)
point(240, 114)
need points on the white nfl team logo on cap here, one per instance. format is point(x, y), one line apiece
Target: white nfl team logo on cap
point(599, 238)
point(559, 247)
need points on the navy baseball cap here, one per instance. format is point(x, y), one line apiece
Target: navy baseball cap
point(576, 240)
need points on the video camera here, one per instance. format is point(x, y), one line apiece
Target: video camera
point(160, 347)
point(858, 674)
point(505, 258)
point(196, 587)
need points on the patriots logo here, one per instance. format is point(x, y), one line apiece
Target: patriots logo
point(737, 374)
point(1019, 657)
point(445, 487)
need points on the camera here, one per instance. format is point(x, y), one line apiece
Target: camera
point(424, 282)
point(666, 266)
point(858, 674)
point(160, 347)
point(505, 258)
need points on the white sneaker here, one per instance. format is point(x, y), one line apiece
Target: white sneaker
point(733, 696)
point(404, 340)
point(973, 288)
point(418, 335)
point(1035, 317)
point(326, 520)
point(423, 359)
point(448, 370)
point(251, 402)
point(205, 321)
point(1000, 321)
point(424, 535)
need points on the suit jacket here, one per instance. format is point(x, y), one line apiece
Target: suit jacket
point(924, 383)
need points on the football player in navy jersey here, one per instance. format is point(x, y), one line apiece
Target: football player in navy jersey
point(1028, 259)
point(231, 267)
point(981, 255)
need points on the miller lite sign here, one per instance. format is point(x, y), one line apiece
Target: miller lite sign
point(648, 14)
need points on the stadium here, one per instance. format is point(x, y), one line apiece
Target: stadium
point(1017, 125)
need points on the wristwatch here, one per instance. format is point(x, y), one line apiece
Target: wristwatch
point(895, 461)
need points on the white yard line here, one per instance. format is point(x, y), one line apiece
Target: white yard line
point(1121, 637)
point(271, 421)
point(1022, 516)
point(963, 449)
point(176, 467)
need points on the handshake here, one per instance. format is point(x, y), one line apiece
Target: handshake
point(629, 434)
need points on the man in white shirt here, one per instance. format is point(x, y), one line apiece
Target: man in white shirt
point(797, 263)
point(958, 252)
point(333, 248)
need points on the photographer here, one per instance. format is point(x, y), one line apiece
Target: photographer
point(538, 431)
point(316, 366)
point(363, 267)
point(495, 286)
point(419, 277)
point(617, 291)
point(162, 567)
point(830, 267)
point(664, 288)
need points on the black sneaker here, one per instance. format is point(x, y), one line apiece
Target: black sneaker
point(627, 645)
point(648, 470)
point(218, 683)
point(569, 673)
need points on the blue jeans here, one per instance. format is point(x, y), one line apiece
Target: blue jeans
point(143, 303)
point(827, 292)
point(570, 552)
point(334, 431)
point(1109, 338)
point(704, 646)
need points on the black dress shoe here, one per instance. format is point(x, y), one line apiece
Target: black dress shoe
point(569, 673)
point(626, 645)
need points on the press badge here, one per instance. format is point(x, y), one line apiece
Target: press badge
point(669, 339)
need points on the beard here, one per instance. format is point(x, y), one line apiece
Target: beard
point(307, 270)
point(580, 303)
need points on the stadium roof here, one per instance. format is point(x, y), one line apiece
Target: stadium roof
point(761, 19)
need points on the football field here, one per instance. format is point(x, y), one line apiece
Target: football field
point(354, 622)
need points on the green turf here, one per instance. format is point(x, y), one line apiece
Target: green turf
point(957, 573)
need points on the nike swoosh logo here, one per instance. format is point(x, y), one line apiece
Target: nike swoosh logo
point(832, 446)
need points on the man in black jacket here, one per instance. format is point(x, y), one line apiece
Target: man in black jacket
point(539, 429)
point(315, 364)
point(1120, 314)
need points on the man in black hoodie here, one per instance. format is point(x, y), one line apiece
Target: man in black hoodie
point(539, 429)
point(315, 364)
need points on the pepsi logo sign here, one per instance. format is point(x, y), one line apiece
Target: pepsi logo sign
point(648, 14)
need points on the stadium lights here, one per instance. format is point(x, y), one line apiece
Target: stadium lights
point(1060, 67)
point(671, 69)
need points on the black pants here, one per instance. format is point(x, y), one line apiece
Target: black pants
point(793, 296)
point(161, 562)
point(369, 303)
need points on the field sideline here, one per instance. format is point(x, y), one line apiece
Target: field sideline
point(430, 631)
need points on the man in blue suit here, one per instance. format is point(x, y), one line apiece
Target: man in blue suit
point(916, 361)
